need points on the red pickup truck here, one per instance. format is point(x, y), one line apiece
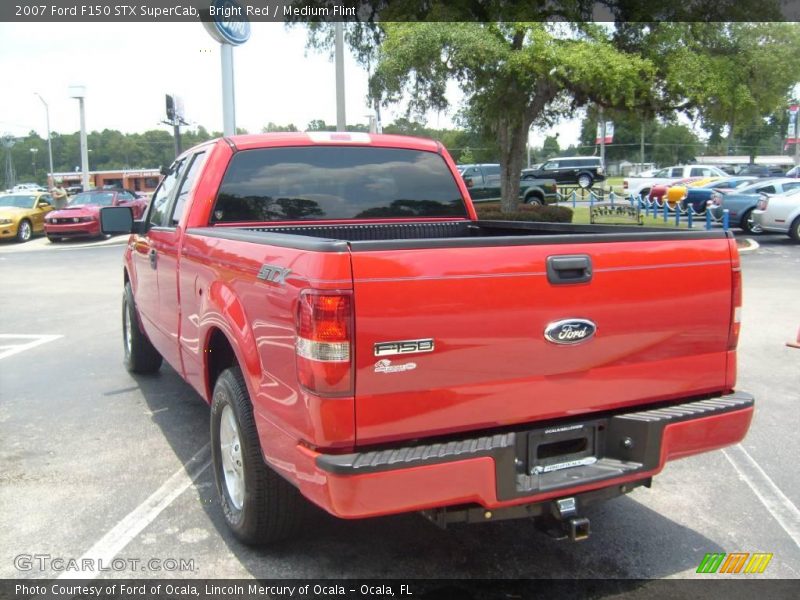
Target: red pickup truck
point(367, 343)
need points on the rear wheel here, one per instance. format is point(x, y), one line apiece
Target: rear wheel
point(24, 231)
point(259, 505)
point(140, 355)
point(794, 230)
point(747, 224)
point(534, 199)
point(585, 180)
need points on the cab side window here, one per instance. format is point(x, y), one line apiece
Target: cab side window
point(188, 183)
point(160, 202)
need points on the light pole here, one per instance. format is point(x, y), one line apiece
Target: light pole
point(49, 143)
point(341, 120)
point(79, 93)
point(34, 151)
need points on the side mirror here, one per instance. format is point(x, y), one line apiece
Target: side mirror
point(116, 219)
point(469, 181)
point(43, 204)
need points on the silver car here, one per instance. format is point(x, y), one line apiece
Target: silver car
point(779, 213)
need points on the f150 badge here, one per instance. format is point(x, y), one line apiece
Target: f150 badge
point(570, 331)
point(403, 347)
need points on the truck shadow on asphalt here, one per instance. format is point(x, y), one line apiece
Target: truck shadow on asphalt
point(628, 540)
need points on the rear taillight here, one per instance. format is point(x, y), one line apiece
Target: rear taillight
point(763, 203)
point(324, 342)
point(736, 303)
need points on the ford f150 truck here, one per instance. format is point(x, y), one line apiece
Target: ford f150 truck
point(366, 343)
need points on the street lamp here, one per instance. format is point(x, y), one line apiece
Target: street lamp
point(49, 143)
point(79, 93)
point(34, 151)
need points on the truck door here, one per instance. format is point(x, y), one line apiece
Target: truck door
point(145, 258)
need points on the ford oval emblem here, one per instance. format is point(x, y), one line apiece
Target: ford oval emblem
point(570, 331)
point(227, 22)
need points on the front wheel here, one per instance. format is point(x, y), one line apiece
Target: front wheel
point(747, 223)
point(24, 231)
point(259, 505)
point(534, 199)
point(585, 180)
point(140, 355)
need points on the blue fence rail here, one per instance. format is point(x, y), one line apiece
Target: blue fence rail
point(651, 208)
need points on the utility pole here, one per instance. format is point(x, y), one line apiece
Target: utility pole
point(341, 121)
point(641, 149)
point(79, 93)
point(602, 137)
point(49, 142)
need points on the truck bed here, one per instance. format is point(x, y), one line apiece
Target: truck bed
point(443, 234)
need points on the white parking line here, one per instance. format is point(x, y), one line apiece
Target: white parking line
point(26, 342)
point(132, 525)
point(774, 500)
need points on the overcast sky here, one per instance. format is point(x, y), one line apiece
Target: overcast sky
point(128, 67)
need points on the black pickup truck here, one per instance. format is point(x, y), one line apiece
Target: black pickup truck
point(483, 183)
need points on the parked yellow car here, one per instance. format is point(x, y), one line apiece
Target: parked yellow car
point(676, 193)
point(22, 214)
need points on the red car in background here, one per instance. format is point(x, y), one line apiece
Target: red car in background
point(81, 217)
point(658, 192)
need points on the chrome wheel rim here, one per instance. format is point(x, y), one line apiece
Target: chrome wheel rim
point(584, 181)
point(126, 329)
point(25, 231)
point(230, 447)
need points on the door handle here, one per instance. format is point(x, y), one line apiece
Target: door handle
point(565, 269)
point(153, 258)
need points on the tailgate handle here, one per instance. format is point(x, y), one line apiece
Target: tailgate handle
point(575, 268)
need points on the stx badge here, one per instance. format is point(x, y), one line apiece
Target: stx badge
point(274, 274)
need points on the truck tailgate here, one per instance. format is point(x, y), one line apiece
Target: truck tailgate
point(661, 310)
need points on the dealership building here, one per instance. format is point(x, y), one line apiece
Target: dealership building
point(137, 180)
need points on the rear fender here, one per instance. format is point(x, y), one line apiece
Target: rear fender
point(221, 309)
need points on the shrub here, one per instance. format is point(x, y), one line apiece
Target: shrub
point(526, 212)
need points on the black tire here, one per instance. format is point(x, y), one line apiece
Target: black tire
point(585, 180)
point(747, 224)
point(140, 355)
point(794, 230)
point(24, 231)
point(268, 508)
point(534, 198)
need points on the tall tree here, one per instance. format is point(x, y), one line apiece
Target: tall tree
point(512, 74)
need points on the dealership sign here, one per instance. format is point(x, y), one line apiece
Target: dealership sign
point(226, 23)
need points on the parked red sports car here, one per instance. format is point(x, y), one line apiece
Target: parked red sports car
point(81, 217)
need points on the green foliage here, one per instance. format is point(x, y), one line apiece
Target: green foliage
point(526, 212)
point(270, 127)
point(550, 148)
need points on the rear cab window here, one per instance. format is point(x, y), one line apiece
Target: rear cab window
point(314, 183)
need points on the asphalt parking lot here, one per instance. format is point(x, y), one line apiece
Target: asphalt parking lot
point(99, 463)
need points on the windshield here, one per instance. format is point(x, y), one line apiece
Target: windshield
point(96, 198)
point(312, 183)
point(18, 201)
